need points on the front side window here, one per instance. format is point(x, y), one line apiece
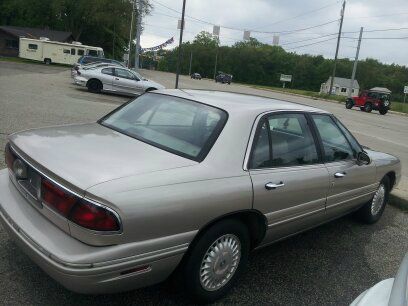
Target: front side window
point(32, 46)
point(121, 73)
point(81, 52)
point(177, 125)
point(72, 51)
point(335, 144)
point(288, 140)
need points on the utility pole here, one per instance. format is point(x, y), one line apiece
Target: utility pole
point(130, 32)
point(353, 75)
point(138, 31)
point(180, 42)
point(191, 60)
point(337, 48)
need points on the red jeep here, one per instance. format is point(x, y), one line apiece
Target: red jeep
point(369, 100)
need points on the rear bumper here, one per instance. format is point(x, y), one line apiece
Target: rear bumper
point(27, 227)
point(80, 81)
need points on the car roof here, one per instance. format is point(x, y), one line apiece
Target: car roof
point(238, 102)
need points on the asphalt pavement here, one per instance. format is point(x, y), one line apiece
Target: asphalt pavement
point(329, 265)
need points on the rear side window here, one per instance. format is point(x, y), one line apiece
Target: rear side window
point(66, 51)
point(32, 46)
point(288, 140)
point(107, 71)
point(72, 51)
point(335, 145)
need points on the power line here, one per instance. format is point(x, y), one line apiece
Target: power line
point(315, 43)
point(307, 39)
point(297, 16)
point(378, 16)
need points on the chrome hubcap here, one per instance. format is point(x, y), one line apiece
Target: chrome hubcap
point(220, 262)
point(378, 200)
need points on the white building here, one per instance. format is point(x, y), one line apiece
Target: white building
point(340, 87)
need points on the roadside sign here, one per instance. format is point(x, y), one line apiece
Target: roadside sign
point(247, 35)
point(405, 89)
point(286, 78)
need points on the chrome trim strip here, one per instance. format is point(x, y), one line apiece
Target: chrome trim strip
point(77, 195)
point(351, 199)
point(296, 217)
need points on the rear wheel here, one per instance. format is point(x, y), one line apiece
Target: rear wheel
point(372, 211)
point(349, 103)
point(216, 260)
point(94, 86)
point(368, 107)
point(47, 61)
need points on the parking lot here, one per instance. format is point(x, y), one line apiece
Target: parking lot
point(329, 265)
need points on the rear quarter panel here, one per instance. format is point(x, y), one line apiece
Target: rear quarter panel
point(161, 204)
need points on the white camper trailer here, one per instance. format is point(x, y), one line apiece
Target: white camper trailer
point(49, 52)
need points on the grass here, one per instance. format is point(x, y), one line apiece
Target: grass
point(395, 106)
point(27, 61)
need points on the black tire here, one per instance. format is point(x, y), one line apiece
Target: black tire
point(47, 61)
point(383, 111)
point(349, 103)
point(195, 257)
point(362, 109)
point(94, 86)
point(368, 107)
point(367, 213)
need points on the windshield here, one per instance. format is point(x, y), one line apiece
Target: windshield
point(177, 125)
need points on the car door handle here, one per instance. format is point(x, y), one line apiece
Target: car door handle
point(271, 186)
point(117, 79)
point(339, 174)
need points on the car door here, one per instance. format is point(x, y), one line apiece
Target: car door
point(351, 184)
point(107, 75)
point(126, 82)
point(290, 182)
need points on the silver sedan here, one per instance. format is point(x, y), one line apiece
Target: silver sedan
point(114, 79)
point(183, 178)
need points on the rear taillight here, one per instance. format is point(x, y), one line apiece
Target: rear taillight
point(57, 198)
point(94, 217)
point(9, 156)
point(78, 210)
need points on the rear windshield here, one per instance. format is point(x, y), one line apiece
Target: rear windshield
point(177, 125)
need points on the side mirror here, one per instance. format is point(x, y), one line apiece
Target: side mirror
point(363, 158)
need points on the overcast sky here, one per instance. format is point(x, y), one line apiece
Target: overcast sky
point(286, 15)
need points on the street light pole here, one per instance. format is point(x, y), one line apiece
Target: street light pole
point(130, 32)
point(180, 42)
point(138, 31)
point(191, 60)
point(337, 47)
